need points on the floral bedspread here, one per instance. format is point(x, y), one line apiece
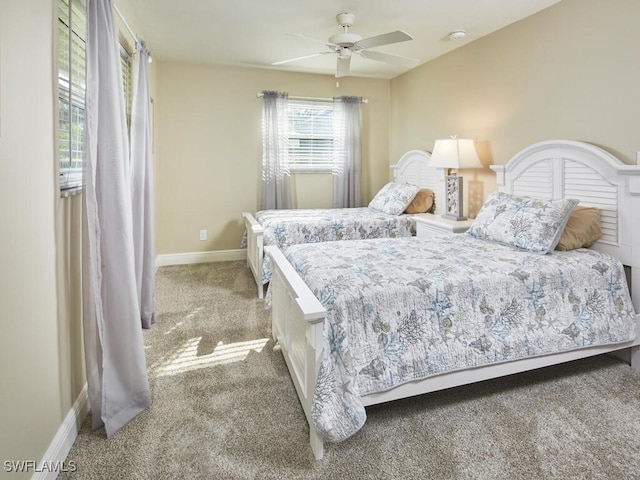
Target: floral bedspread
point(289, 227)
point(405, 309)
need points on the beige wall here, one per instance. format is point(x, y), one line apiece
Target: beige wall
point(41, 357)
point(30, 359)
point(208, 163)
point(571, 71)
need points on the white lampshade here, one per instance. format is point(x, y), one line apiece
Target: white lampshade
point(455, 153)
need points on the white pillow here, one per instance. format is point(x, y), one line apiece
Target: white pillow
point(394, 198)
point(528, 223)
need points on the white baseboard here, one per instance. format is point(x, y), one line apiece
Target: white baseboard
point(201, 257)
point(56, 454)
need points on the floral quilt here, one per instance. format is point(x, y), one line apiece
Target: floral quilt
point(289, 227)
point(405, 309)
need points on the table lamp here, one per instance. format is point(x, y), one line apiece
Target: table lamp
point(454, 153)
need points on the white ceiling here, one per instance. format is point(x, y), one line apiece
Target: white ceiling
point(256, 33)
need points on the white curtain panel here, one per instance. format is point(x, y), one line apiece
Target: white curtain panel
point(114, 351)
point(276, 179)
point(142, 188)
point(347, 161)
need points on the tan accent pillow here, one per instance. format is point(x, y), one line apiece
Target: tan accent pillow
point(422, 202)
point(582, 230)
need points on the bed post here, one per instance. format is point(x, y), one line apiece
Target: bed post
point(297, 322)
point(314, 347)
point(634, 191)
point(635, 357)
point(255, 239)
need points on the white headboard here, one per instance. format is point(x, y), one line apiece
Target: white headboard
point(569, 169)
point(413, 168)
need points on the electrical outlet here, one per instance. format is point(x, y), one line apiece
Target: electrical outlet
point(638, 158)
point(203, 234)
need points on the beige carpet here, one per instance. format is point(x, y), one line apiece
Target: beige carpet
point(224, 407)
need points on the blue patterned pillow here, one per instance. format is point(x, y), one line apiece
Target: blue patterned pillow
point(394, 198)
point(528, 223)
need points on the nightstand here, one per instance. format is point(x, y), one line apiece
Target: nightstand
point(429, 224)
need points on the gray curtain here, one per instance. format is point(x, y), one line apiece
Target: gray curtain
point(142, 188)
point(276, 179)
point(114, 351)
point(347, 161)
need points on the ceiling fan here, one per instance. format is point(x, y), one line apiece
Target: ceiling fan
point(346, 44)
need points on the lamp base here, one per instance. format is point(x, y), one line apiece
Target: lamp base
point(453, 198)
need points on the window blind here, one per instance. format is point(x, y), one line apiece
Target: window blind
point(310, 135)
point(127, 82)
point(71, 91)
point(72, 86)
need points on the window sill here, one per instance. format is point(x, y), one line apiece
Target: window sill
point(70, 192)
point(309, 170)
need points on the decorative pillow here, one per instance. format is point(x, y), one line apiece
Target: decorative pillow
point(422, 203)
point(394, 198)
point(522, 222)
point(582, 230)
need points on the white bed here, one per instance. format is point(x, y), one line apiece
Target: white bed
point(554, 169)
point(411, 168)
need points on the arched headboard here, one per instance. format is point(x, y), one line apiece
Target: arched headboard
point(570, 169)
point(413, 167)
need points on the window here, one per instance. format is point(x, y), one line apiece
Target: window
point(72, 86)
point(310, 135)
point(127, 82)
point(71, 91)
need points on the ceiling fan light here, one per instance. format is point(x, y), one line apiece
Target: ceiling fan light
point(344, 53)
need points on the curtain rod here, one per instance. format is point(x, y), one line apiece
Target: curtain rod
point(135, 37)
point(312, 99)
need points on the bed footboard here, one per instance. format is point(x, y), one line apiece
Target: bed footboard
point(297, 319)
point(297, 324)
point(255, 249)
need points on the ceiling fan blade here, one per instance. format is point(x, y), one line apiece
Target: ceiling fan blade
point(388, 58)
point(384, 39)
point(282, 62)
point(344, 65)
